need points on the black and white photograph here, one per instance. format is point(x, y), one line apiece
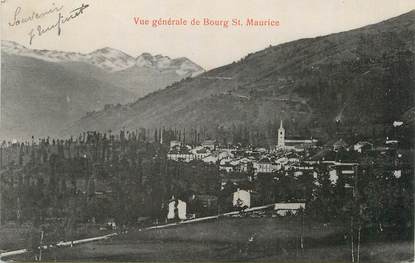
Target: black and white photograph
point(207, 131)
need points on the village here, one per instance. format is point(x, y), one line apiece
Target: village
point(102, 184)
point(239, 166)
point(287, 175)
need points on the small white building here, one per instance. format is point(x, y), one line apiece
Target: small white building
point(200, 152)
point(397, 123)
point(283, 208)
point(242, 198)
point(181, 209)
point(265, 165)
point(111, 223)
point(175, 144)
point(333, 177)
point(227, 168)
point(243, 164)
point(362, 146)
point(210, 159)
point(184, 157)
point(397, 173)
point(225, 154)
point(210, 144)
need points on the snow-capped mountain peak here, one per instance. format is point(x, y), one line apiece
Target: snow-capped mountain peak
point(182, 66)
point(107, 58)
point(110, 59)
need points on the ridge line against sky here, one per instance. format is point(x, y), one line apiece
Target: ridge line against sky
point(92, 51)
point(109, 23)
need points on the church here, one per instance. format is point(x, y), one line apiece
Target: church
point(296, 144)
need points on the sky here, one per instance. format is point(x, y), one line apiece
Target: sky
point(110, 23)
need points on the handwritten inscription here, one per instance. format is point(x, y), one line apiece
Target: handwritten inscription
point(41, 30)
point(18, 19)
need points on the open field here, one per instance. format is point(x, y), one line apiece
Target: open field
point(13, 236)
point(272, 239)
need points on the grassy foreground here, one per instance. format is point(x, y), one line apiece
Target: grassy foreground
point(234, 239)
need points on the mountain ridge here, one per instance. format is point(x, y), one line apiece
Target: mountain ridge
point(43, 90)
point(308, 82)
point(107, 58)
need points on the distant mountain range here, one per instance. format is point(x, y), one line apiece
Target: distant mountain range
point(108, 59)
point(44, 90)
point(361, 79)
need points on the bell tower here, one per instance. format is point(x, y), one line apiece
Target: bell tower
point(281, 136)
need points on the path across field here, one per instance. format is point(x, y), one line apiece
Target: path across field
point(99, 238)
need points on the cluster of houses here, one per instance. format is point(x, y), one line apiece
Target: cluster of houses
point(236, 159)
point(297, 156)
point(241, 200)
point(289, 154)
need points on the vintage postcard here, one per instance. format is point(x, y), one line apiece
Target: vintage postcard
point(207, 130)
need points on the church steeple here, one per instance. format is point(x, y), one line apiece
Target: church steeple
point(281, 136)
